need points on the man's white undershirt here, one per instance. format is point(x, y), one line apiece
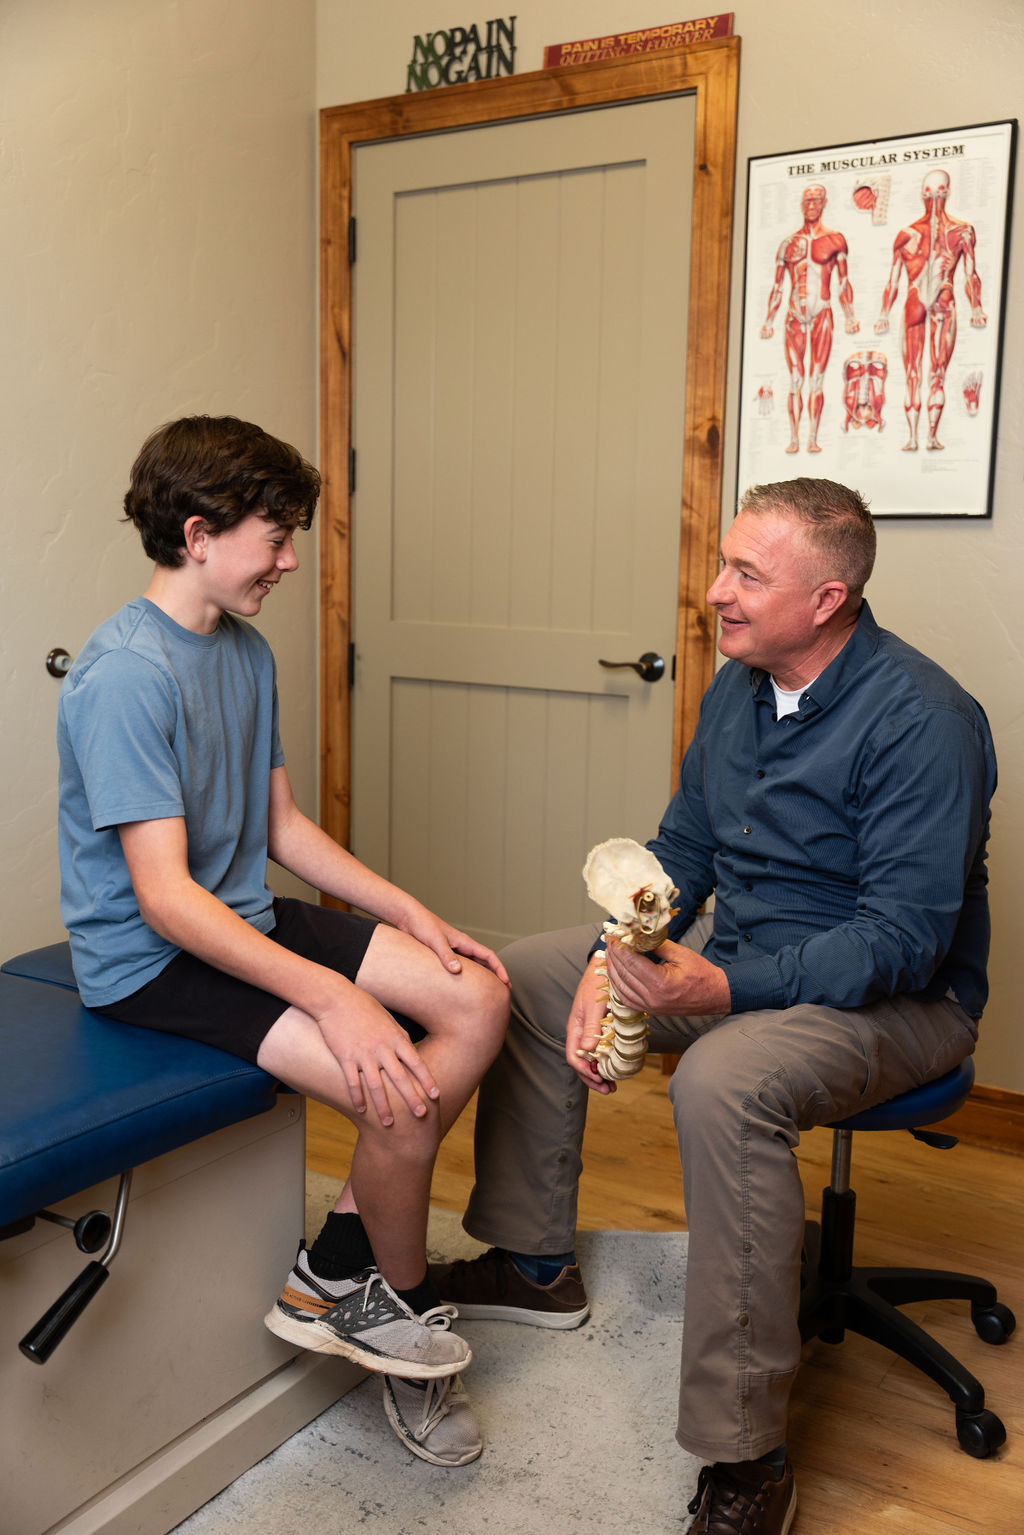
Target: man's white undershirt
point(786, 702)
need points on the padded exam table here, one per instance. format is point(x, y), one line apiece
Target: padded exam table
point(137, 1376)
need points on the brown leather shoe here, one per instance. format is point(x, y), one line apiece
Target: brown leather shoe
point(743, 1499)
point(491, 1288)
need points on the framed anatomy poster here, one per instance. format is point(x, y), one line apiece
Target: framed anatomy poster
point(873, 304)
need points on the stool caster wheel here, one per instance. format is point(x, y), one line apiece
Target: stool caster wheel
point(993, 1324)
point(979, 1433)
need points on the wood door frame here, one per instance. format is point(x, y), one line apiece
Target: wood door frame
point(710, 71)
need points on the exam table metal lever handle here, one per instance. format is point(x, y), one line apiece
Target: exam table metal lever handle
point(650, 666)
point(39, 1343)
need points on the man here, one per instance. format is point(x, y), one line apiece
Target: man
point(929, 250)
point(835, 799)
point(808, 258)
point(173, 793)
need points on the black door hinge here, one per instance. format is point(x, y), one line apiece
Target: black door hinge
point(351, 663)
point(351, 242)
point(351, 471)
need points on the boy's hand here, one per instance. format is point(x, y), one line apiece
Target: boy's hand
point(376, 1054)
point(449, 942)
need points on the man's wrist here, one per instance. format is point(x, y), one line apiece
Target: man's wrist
point(719, 993)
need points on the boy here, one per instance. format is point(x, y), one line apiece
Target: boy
point(173, 793)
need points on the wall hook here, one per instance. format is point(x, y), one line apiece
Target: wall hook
point(58, 662)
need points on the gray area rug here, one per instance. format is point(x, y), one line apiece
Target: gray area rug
point(578, 1426)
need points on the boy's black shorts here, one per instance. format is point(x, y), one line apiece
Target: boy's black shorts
point(193, 998)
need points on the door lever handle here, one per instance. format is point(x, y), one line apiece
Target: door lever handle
point(650, 666)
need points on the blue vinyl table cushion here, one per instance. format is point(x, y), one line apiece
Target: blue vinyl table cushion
point(51, 964)
point(83, 1098)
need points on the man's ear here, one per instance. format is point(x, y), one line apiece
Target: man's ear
point(196, 535)
point(831, 596)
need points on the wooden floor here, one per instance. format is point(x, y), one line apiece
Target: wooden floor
point(872, 1440)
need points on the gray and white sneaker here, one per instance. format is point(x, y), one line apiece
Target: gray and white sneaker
point(433, 1419)
point(363, 1319)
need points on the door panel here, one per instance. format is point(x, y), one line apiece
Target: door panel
point(519, 342)
point(484, 829)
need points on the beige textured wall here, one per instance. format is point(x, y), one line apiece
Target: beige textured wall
point(157, 208)
point(815, 75)
point(157, 218)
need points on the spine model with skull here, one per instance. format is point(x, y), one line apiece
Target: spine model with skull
point(628, 881)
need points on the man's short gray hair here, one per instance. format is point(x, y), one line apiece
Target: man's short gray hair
point(839, 525)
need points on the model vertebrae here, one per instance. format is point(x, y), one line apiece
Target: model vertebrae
point(628, 881)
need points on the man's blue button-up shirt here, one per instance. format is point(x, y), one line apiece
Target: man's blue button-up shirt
point(845, 843)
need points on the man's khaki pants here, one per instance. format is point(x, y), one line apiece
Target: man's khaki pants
point(746, 1085)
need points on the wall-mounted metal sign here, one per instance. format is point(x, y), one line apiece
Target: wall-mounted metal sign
point(622, 45)
point(462, 53)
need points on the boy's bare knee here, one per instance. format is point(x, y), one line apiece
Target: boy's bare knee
point(481, 1000)
point(493, 1013)
point(410, 1139)
point(498, 1001)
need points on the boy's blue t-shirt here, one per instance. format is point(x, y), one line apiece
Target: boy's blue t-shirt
point(155, 721)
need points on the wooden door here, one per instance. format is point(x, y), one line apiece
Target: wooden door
point(500, 711)
point(519, 335)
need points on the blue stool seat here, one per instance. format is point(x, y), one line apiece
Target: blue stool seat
point(837, 1296)
point(925, 1105)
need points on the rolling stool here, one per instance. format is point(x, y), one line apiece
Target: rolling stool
point(836, 1296)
